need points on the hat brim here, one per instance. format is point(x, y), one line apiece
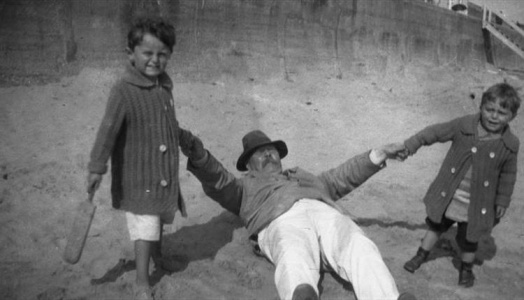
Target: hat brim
point(244, 157)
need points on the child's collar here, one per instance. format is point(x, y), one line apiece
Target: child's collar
point(470, 127)
point(134, 77)
point(483, 134)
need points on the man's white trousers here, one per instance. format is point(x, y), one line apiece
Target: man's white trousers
point(313, 236)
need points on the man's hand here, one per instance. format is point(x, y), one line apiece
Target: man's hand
point(191, 146)
point(499, 211)
point(185, 138)
point(390, 151)
point(93, 182)
point(402, 155)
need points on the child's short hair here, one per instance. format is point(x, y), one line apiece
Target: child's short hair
point(158, 28)
point(508, 96)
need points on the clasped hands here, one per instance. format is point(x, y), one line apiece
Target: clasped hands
point(397, 151)
point(191, 146)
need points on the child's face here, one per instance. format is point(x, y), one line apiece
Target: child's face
point(494, 117)
point(150, 57)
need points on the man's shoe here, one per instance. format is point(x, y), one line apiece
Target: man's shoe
point(466, 276)
point(406, 296)
point(413, 264)
point(304, 292)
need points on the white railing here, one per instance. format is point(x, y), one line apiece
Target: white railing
point(511, 34)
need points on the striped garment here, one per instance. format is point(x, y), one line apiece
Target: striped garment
point(459, 205)
point(140, 133)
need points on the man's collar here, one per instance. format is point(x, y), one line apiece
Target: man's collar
point(134, 77)
point(258, 174)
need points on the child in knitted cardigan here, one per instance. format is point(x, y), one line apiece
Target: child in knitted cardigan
point(140, 133)
point(474, 185)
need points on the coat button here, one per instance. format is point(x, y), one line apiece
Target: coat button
point(483, 211)
point(453, 170)
point(492, 154)
point(474, 149)
point(443, 194)
point(163, 183)
point(486, 183)
point(162, 148)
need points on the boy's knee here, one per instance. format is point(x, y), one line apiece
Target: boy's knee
point(441, 227)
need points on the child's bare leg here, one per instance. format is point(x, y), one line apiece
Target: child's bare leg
point(156, 253)
point(156, 248)
point(429, 240)
point(468, 257)
point(165, 263)
point(142, 254)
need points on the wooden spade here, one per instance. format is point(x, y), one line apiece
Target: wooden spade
point(77, 237)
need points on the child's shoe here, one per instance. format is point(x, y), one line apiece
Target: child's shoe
point(466, 276)
point(413, 264)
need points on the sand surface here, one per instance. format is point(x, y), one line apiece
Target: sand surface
point(47, 132)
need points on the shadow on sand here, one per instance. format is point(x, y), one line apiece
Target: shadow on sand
point(188, 244)
point(447, 247)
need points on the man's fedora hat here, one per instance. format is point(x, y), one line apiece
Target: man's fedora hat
point(254, 140)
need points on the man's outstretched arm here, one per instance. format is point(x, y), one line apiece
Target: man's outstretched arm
point(218, 183)
point(355, 171)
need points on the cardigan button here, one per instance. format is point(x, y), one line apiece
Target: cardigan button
point(453, 170)
point(483, 211)
point(162, 148)
point(474, 149)
point(486, 183)
point(492, 154)
point(443, 194)
point(163, 183)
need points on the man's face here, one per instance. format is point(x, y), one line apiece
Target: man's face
point(265, 159)
point(493, 117)
point(150, 57)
